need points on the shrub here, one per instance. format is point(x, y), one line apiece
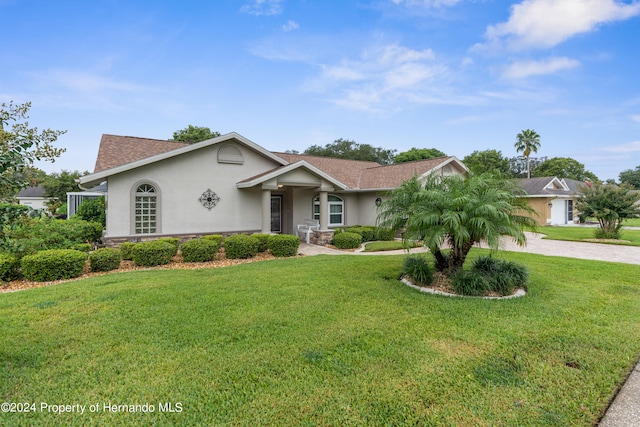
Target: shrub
point(217, 238)
point(125, 250)
point(385, 234)
point(240, 246)
point(471, 283)
point(502, 276)
point(93, 210)
point(53, 264)
point(347, 240)
point(9, 267)
point(282, 245)
point(173, 241)
point(418, 268)
point(199, 250)
point(367, 232)
point(105, 259)
point(148, 254)
point(82, 247)
point(263, 241)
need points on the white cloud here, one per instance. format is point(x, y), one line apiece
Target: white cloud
point(547, 23)
point(523, 69)
point(630, 147)
point(636, 118)
point(263, 7)
point(290, 26)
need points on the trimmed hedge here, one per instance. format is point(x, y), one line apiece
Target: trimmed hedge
point(82, 247)
point(149, 254)
point(105, 259)
point(217, 238)
point(240, 246)
point(385, 234)
point(367, 232)
point(282, 245)
point(53, 264)
point(174, 241)
point(347, 240)
point(263, 241)
point(125, 250)
point(9, 267)
point(199, 250)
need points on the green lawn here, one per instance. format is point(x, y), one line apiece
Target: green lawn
point(389, 246)
point(326, 340)
point(633, 222)
point(580, 233)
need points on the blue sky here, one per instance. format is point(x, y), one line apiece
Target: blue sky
point(457, 75)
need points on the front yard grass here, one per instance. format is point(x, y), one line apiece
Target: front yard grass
point(325, 340)
point(391, 245)
point(585, 234)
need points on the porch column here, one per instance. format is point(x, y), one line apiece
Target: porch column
point(266, 211)
point(324, 210)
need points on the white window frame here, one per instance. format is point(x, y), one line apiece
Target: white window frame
point(145, 211)
point(337, 201)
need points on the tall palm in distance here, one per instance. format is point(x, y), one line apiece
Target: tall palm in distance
point(527, 141)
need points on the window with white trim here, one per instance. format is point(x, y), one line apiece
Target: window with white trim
point(146, 209)
point(336, 209)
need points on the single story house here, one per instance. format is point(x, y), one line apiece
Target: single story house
point(552, 198)
point(33, 197)
point(230, 184)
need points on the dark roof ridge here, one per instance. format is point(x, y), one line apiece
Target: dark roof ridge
point(412, 161)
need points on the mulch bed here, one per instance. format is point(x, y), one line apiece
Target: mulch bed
point(176, 264)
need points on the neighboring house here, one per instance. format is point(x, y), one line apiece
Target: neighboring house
point(75, 198)
point(32, 197)
point(230, 185)
point(553, 199)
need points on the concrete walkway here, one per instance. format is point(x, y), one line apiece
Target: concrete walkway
point(625, 409)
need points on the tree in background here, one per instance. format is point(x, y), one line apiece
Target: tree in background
point(631, 177)
point(21, 146)
point(527, 141)
point(347, 149)
point(57, 185)
point(564, 167)
point(192, 134)
point(418, 154)
point(480, 162)
point(518, 165)
point(29, 175)
point(610, 204)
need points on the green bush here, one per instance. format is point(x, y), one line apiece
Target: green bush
point(199, 250)
point(385, 234)
point(263, 241)
point(173, 241)
point(9, 267)
point(105, 259)
point(217, 238)
point(93, 210)
point(240, 246)
point(502, 276)
point(82, 247)
point(367, 232)
point(419, 269)
point(148, 254)
point(347, 240)
point(282, 245)
point(125, 250)
point(53, 264)
point(471, 283)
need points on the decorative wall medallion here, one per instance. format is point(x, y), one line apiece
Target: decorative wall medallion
point(209, 199)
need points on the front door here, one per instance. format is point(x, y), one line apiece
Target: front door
point(276, 214)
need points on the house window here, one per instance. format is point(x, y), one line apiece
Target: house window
point(336, 209)
point(146, 209)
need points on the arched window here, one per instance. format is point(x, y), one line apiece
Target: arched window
point(146, 209)
point(336, 209)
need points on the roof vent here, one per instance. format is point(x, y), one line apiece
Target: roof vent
point(230, 154)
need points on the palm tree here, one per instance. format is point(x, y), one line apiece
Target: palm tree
point(456, 212)
point(528, 141)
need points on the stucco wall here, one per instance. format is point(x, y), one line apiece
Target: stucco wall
point(180, 181)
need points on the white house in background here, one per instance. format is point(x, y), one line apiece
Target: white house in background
point(32, 197)
point(553, 199)
point(231, 185)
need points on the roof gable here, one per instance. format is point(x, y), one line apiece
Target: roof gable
point(550, 186)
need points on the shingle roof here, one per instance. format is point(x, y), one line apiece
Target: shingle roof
point(545, 186)
point(32, 192)
point(120, 150)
